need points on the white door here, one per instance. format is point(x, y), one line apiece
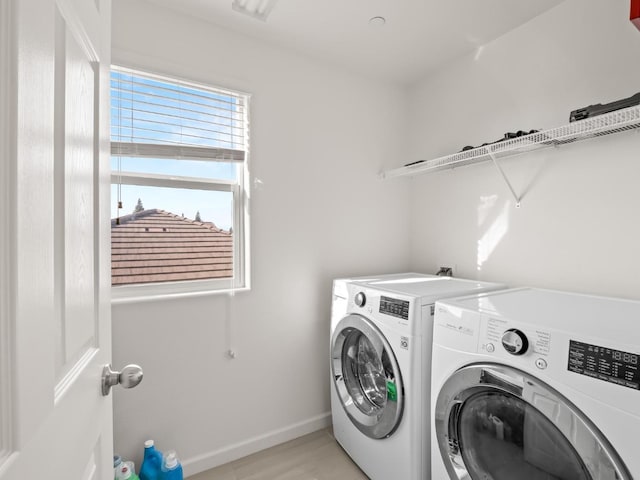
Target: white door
point(55, 330)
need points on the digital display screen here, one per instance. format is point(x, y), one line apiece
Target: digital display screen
point(605, 364)
point(394, 307)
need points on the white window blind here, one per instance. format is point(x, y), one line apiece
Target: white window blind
point(157, 117)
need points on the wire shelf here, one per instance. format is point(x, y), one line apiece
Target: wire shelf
point(606, 124)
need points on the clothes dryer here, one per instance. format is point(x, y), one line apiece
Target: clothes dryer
point(380, 352)
point(533, 384)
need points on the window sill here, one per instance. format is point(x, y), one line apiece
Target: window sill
point(150, 293)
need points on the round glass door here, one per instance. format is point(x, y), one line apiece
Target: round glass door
point(494, 433)
point(497, 423)
point(366, 376)
point(365, 372)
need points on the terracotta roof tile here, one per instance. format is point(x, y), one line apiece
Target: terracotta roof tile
point(158, 246)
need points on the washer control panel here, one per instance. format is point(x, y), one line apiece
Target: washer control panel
point(394, 307)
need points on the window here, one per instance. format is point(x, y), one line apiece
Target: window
point(178, 186)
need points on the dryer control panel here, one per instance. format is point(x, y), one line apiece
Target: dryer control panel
point(604, 363)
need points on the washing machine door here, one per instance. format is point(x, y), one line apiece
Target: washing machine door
point(366, 376)
point(496, 422)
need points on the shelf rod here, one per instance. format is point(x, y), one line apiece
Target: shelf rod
point(504, 177)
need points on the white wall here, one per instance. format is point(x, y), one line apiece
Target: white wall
point(578, 226)
point(318, 139)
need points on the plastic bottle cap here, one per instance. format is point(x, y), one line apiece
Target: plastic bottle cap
point(171, 460)
point(148, 444)
point(126, 473)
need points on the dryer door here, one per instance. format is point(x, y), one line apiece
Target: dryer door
point(496, 422)
point(366, 376)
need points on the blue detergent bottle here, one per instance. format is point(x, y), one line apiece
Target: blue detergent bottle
point(171, 468)
point(151, 468)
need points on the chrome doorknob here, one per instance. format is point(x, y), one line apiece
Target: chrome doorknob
point(129, 377)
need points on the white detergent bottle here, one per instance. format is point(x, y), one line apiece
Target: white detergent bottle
point(126, 473)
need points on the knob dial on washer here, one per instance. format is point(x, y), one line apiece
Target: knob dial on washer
point(360, 299)
point(515, 342)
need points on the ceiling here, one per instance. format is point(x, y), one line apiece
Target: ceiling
point(417, 37)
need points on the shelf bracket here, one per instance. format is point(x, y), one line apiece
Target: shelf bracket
point(504, 177)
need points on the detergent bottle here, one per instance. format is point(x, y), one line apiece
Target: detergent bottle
point(152, 462)
point(117, 461)
point(171, 468)
point(126, 473)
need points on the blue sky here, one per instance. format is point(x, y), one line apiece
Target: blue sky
point(213, 206)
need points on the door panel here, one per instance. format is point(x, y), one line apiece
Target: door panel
point(77, 135)
point(5, 257)
point(55, 259)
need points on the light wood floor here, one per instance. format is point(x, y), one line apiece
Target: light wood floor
point(316, 456)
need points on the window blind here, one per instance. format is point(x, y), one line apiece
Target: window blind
point(153, 116)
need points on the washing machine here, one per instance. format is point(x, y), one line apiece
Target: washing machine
point(532, 384)
point(380, 353)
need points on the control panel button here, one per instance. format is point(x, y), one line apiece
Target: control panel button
point(360, 299)
point(490, 348)
point(541, 363)
point(515, 342)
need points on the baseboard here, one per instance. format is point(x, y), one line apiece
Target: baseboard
point(200, 463)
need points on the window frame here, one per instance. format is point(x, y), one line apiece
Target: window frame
point(240, 281)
